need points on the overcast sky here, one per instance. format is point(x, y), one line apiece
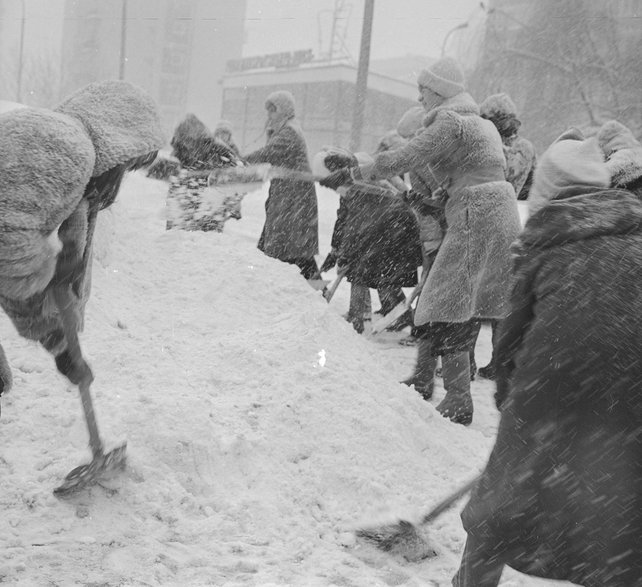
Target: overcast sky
point(400, 27)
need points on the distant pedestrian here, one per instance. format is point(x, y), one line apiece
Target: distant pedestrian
point(191, 203)
point(223, 132)
point(291, 229)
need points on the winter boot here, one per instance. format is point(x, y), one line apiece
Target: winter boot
point(360, 307)
point(423, 379)
point(457, 406)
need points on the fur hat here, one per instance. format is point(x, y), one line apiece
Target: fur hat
point(283, 101)
point(614, 136)
point(444, 77)
point(121, 119)
point(411, 122)
point(566, 163)
point(497, 105)
point(223, 126)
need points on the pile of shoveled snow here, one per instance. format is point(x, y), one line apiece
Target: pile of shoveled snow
point(262, 430)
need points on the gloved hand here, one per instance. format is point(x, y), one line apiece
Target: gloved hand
point(336, 179)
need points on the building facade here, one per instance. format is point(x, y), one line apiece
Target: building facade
point(176, 49)
point(325, 97)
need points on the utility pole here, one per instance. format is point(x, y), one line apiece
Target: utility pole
point(21, 54)
point(361, 89)
point(123, 41)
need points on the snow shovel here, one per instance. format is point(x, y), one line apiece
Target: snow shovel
point(101, 462)
point(400, 309)
point(403, 537)
point(329, 292)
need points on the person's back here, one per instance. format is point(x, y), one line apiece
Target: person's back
point(560, 496)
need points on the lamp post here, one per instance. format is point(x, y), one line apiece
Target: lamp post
point(21, 54)
point(463, 25)
point(361, 89)
point(123, 41)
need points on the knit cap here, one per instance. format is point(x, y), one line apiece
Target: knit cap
point(566, 163)
point(223, 126)
point(498, 105)
point(444, 77)
point(411, 122)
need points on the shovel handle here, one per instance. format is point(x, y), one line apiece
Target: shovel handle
point(449, 501)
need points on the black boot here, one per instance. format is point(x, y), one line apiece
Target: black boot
point(457, 406)
point(423, 378)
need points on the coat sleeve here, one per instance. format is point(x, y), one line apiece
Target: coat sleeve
point(512, 331)
point(427, 146)
point(280, 150)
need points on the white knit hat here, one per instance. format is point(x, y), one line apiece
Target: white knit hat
point(444, 77)
point(566, 163)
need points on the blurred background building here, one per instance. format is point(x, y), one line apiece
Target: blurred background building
point(175, 49)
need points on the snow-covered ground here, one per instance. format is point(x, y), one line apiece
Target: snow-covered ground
point(261, 429)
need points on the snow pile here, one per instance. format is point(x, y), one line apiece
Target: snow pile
point(262, 430)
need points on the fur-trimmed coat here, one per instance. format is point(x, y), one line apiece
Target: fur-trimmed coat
point(291, 229)
point(463, 153)
point(561, 496)
point(47, 211)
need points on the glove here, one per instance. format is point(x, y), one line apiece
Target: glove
point(336, 160)
point(336, 179)
point(75, 371)
point(330, 261)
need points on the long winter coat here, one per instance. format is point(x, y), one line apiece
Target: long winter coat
point(463, 153)
point(47, 161)
point(378, 238)
point(561, 496)
point(291, 229)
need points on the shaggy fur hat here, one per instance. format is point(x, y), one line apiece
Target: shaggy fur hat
point(411, 122)
point(121, 119)
point(444, 77)
point(566, 163)
point(497, 105)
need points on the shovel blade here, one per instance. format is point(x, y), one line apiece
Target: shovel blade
point(88, 474)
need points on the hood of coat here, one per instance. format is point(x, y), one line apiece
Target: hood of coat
point(580, 213)
point(121, 119)
point(463, 103)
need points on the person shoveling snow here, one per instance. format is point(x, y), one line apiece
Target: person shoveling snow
point(58, 169)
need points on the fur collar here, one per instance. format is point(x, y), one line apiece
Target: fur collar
point(579, 213)
point(463, 104)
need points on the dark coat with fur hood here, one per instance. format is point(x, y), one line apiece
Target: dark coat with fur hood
point(561, 496)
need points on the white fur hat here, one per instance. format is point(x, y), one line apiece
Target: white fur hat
point(444, 77)
point(566, 163)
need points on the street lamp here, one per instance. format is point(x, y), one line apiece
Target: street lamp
point(463, 25)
